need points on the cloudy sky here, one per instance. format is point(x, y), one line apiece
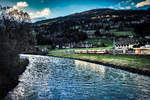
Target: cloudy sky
point(43, 9)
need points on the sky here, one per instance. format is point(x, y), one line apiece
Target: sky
point(45, 9)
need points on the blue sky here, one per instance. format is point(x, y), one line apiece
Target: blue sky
point(43, 9)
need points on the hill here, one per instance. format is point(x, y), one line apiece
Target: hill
point(94, 13)
point(96, 23)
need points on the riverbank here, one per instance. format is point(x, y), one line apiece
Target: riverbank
point(135, 64)
point(9, 77)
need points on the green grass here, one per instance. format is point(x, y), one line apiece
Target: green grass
point(124, 61)
point(123, 33)
point(106, 42)
point(99, 48)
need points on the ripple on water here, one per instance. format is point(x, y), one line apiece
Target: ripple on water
point(51, 78)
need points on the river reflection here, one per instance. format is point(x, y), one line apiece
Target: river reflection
point(51, 78)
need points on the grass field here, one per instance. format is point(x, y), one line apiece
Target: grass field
point(136, 62)
point(99, 48)
point(123, 33)
point(106, 42)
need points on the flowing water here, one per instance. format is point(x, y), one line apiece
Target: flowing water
point(52, 78)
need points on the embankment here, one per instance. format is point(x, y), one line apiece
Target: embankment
point(135, 64)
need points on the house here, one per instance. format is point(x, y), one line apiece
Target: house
point(134, 45)
point(142, 50)
point(126, 44)
point(84, 45)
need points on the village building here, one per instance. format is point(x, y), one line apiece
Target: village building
point(133, 45)
point(142, 50)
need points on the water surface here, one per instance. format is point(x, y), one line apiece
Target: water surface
point(51, 78)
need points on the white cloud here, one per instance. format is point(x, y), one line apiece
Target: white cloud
point(144, 3)
point(44, 13)
point(128, 7)
point(124, 4)
point(18, 6)
point(111, 7)
point(121, 8)
point(22, 4)
point(132, 3)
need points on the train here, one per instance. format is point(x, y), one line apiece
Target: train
point(91, 51)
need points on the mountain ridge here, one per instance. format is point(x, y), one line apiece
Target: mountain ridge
point(92, 12)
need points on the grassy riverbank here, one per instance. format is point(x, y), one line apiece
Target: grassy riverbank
point(122, 61)
point(98, 48)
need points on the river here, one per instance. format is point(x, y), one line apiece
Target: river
point(52, 78)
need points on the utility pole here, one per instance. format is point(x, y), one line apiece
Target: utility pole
point(114, 50)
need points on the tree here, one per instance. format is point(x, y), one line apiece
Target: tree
point(97, 33)
point(15, 38)
point(18, 15)
point(143, 29)
point(148, 9)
